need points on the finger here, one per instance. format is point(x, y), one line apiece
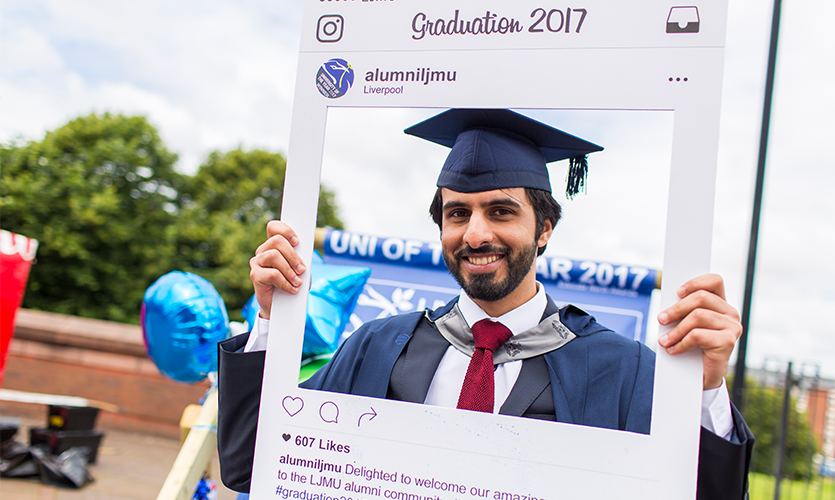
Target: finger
point(271, 268)
point(712, 283)
point(716, 349)
point(690, 341)
point(266, 279)
point(285, 248)
point(712, 342)
point(276, 227)
point(714, 358)
point(700, 299)
point(724, 329)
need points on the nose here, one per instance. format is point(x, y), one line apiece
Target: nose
point(478, 231)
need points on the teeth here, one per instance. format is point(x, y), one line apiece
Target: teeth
point(481, 261)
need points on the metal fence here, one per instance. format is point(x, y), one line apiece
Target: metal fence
point(791, 410)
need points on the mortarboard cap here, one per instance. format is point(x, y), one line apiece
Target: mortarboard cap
point(499, 148)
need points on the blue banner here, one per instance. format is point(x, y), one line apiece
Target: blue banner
point(409, 275)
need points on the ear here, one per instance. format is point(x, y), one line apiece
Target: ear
point(547, 231)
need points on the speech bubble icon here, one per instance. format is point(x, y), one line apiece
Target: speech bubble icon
point(329, 412)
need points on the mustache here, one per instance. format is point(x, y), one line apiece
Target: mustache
point(484, 249)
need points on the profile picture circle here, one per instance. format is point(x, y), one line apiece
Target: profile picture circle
point(334, 78)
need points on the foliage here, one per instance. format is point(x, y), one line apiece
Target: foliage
point(761, 487)
point(226, 206)
point(763, 410)
point(99, 195)
point(112, 215)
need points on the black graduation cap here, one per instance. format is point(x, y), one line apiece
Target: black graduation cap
point(499, 148)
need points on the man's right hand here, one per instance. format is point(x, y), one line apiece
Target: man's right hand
point(276, 265)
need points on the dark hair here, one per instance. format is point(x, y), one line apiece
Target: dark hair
point(545, 208)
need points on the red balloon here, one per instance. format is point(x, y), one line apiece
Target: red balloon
point(16, 255)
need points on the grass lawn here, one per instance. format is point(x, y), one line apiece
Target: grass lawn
point(761, 487)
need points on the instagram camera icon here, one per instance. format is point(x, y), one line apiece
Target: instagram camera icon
point(329, 28)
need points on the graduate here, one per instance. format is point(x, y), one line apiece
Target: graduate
point(502, 346)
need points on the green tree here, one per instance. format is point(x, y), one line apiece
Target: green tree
point(112, 215)
point(100, 196)
point(763, 410)
point(226, 206)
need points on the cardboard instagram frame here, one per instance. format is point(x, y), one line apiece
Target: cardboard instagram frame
point(600, 56)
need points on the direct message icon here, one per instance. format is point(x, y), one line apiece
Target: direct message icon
point(292, 405)
point(683, 20)
point(329, 412)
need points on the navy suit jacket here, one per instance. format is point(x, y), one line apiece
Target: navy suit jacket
point(599, 379)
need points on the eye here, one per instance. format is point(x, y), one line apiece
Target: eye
point(501, 211)
point(457, 213)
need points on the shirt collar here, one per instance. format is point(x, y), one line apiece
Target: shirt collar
point(517, 321)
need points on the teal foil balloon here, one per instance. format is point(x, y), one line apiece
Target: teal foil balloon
point(183, 318)
point(334, 291)
point(250, 311)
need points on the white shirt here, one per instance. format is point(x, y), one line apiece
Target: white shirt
point(449, 377)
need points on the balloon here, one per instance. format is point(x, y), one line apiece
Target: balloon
point(250, 311)
point(334, 291)
point(183, 318)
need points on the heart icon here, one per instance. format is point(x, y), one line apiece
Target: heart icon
point(292, 405)
point(286, 437)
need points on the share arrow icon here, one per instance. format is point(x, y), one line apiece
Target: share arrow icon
point(370, 415)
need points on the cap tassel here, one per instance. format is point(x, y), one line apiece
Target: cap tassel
point(578, 170)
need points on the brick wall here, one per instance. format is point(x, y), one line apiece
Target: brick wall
point(98, 360)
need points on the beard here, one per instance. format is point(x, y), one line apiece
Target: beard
point(484, 286)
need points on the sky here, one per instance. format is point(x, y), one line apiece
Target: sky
point(215, 75)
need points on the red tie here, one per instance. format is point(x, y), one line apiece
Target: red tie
point(477, 393)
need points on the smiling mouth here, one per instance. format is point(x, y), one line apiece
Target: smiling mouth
point(483, 261)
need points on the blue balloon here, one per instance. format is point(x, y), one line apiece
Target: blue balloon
point(183, 319)
point(250, 311)
point(334, 291)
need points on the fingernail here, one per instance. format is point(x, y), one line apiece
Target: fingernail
point(663, 339)
point(294, 240)
point(297, 281)
point(681, 292)
point(300, 268)
point(663, 318)
point(670, 350)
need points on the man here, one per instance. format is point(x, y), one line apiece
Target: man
point(503, 346)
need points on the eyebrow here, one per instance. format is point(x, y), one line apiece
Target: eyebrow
point(506, 201)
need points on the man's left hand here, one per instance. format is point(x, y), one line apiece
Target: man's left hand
point(706, 321)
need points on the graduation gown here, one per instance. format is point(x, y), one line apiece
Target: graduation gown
point(599, 379)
